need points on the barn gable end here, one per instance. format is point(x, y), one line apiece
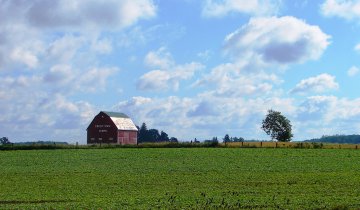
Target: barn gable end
point(111, 128)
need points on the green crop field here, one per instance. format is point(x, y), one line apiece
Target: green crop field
point(180, 178)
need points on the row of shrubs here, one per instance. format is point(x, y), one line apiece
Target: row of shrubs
point(106, 146)
point(300, 145)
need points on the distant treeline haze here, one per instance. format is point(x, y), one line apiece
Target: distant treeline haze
point(341, 139)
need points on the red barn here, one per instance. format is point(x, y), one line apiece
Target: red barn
point(111, 128)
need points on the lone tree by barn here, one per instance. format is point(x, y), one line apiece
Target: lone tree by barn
point(277, 126)
point(4, 141)
point(112, 128)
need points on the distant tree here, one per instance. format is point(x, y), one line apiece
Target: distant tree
point(215, 139)
point(164, 136)
point(196, 141)
point(343, 139)
point(226, 138)
point(143, 133)
point(154, 135)
point(4, 140)
point(236, 139)
point(173, 139)
point(212, 143)
point(277, 126)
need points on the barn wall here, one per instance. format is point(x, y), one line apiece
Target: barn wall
point(102, 130)
point(127, 137)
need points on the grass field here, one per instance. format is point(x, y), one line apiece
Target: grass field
point(174, 178)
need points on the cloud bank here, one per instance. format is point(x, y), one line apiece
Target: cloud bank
point(317, 84)
point(277, 40)
point(50, 54)
point(349, 10)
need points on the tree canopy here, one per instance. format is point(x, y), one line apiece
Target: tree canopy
point(277, 126)
point(226, 138)
point(153, 135)
point(4, 140)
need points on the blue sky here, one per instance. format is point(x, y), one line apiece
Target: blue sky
point(193, 68)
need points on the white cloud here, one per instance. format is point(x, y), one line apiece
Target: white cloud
point(34, 33)
point(229, 81)
point(159, 59)
point(10, 84)
point(349, 9)
point(25, 57)
point(20, 47)
point(353, 71)
point(169, 74)
point(328, 115)
point(102, 46)
point(317, 84)
point(274, 40)
point(94, 79)
point(78, 14)
point(65, 48)
point(316, 107)
point(204, 108)
point(213, 8)
point(67, 80)
point(205, 55)
point(154, 80)
point(33, 112)
point(357, 48)
point(59, 75)
point(331, 108)
point(60, 41)
point(168, 79)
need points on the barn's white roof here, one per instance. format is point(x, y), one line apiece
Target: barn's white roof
point(124, 123)
point(121, 120)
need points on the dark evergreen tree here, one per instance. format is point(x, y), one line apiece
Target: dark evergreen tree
point(143, 133)
point(174, 140)
point(226, 139)
point(215, 139)
point(164, 136)
point(237, 139)
point(153, 135)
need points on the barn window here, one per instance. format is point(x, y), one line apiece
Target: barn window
point(92, 139)
point(111, 138)
point(100, 139)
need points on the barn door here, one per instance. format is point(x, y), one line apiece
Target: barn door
point(126, 138)
point(120, 137)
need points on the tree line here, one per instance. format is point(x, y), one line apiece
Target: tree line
point(275, 124)
point(153, 135)
point(340, 139)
